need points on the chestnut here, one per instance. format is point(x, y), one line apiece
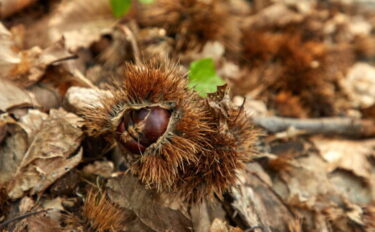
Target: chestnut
point(173, 141)
point(139, 128)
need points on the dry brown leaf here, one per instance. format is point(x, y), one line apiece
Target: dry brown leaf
point(369, 218)
point(276, 14)
point(149, 208)
point(41, 222)
point(350, 167)
point(360, 85)
point(36, 219)
point(13, 97)
point(305, 182)
point(9, 7)
point(205, 213)
point(78, 98)
point(53, 152)
point(34, 62)
point(32, 122)
point(27, 66)
point(322, 199)
point(214, 50)
point(15, 140)
point(258, 205)
point(221, 226)
point(66, 185)
point(9, 53)
point(78, 22)
point(356, 189)
point(347, 154)
point(13, 146)
point(100, 168)
point(154, 42)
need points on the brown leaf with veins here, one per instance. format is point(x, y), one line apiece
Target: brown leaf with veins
point(53, 152)
point(12, 97)
point(256, 203)
point(13, 145)
point(27, 66)
point(78, 22)
point(152, 212)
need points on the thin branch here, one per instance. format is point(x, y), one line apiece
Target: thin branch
point(4, 224)
point(72, 57)
point(332, 126)
point(130, 36)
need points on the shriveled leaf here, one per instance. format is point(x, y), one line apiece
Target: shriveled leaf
point(78, 22)
point(203, 215)
point(349, 167)
point(12, 97)
point(347, 154)
point(78, 98)
point(13, 146)
point(32, 122)
point(100, 168)
point(203, 77)
point(9, 7)
point(39, 222)
point(53, 152)
point(27, 66)
point(151, 210)
point(8, 55)
point(360, 84)
point(252, 200)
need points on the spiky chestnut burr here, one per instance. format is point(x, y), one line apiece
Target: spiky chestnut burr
point(193, 23)
point(173, 140)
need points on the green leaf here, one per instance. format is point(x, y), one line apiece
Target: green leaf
point(120, 7)
point(146, 1)
point(203, 77)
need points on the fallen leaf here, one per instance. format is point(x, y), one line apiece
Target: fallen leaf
point(78, 22)
point(360, 85)
point(53, 152)
point(150, 209)
point(221, 226)
point(9, 7)
point(100, 168)
point(13, 146)
point(13, 97)
point(347, 154)
point(257, 204)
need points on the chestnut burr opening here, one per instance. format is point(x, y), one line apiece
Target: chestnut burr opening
point(139, 128)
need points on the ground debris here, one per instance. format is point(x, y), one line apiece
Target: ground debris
point(288, 144)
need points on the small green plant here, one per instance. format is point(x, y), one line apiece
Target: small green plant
point(203, 77)
point(121, 7)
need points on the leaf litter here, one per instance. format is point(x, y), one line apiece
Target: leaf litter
point(302, 70)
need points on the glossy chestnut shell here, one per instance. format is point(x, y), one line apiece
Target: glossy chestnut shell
point(139, 128)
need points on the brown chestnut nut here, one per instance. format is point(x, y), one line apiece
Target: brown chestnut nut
point(139, 128)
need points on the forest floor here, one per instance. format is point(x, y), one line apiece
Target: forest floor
point(302, 71)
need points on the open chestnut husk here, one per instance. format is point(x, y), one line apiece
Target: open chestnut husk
point(139, 128)
point(173, 140)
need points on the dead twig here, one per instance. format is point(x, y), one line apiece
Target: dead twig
point(131, 38)
point(4, 224)
point(332, 126)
